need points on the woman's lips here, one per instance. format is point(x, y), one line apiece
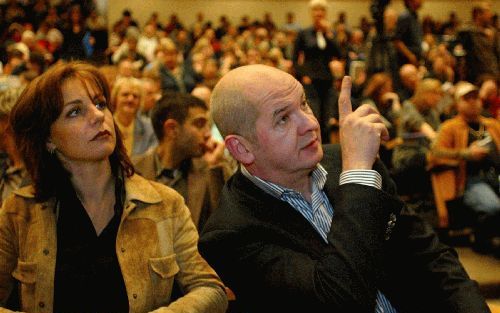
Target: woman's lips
point(101, 134)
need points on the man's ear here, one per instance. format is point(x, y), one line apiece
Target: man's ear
point(170, 128)
point(240, 149)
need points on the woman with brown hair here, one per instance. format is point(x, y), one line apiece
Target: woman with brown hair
point(379, 93)
point(89, 235)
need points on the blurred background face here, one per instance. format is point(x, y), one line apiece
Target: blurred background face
point(432, 98)
point(318, 14)
point(409, 77)
point(126, 68)
point(415, 4)
point(470, 106)
point(170, 59)
point(489, 89)
point(194, 134)
point(151, 94)
point(486, 16)
point(390, 19)
point(128, 100)
point(386, 87)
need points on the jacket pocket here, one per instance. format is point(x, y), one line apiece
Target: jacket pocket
point(163, 272)
point(25, 273)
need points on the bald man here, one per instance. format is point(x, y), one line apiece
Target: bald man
point(409, 79)
point(303, 227)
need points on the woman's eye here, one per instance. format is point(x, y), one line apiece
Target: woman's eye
point(74, 112)
point(101, 104)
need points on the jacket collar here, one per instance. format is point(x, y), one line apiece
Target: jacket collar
point(138, 188)
point(26, 192)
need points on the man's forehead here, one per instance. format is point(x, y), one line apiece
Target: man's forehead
point(274, 87)
point(195, 112)
point(280, 99)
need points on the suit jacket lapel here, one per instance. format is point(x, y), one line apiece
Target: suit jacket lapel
point(278, 216)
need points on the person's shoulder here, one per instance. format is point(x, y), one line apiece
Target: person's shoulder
point(27, 192)
point(144, 163)
point(144, 190)
point(467, 30)
point(144, 120)
point(306, 30)
point(145, 157)
point(239, 201)
point(22, 202)
point(490, 121)
point(453, 122)
point(408, 106)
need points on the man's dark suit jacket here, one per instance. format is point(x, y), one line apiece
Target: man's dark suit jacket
point(275, 261)
point(316, 60)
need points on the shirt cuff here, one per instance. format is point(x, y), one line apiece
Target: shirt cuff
point(362, 177)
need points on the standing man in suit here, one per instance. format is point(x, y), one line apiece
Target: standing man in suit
point(315, 48)
point(302, 228)
point(409, 34)
point(186, 159)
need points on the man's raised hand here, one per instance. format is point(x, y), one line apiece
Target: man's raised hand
point(360, 131)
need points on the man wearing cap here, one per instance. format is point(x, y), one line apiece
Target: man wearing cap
point(471, 142)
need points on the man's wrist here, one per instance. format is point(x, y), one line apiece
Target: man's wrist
point(362, 177)
point(353, 166)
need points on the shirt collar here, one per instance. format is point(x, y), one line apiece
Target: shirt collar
point(178, 172)
point(158, 166)
point(318, 175)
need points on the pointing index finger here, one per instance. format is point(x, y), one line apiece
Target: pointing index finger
point(345, 106)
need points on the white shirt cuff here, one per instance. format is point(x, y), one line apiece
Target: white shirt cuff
point(362, 177)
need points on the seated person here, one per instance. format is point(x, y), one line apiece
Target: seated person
point(418, 123)
point(303, 227)
point(89, 235)
point(471, 142)
point(126, 98)
point(187, 158)
point(380, 94)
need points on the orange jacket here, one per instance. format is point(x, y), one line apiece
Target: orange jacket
point(453, 138)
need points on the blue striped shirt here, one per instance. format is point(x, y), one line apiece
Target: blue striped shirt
point(319, 212)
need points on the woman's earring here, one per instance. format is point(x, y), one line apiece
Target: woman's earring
point(51, 149)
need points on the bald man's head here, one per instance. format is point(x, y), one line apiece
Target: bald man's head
point(237, 96)
point(409, 76)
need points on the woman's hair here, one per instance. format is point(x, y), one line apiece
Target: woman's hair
point(38, 107)
point(373, 89)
